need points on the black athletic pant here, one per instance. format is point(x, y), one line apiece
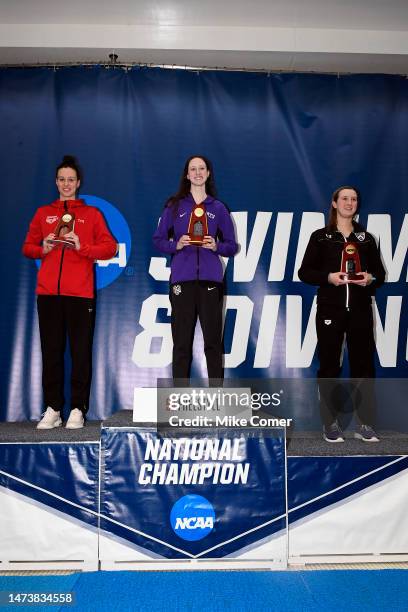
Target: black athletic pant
point(332, 324)
point(189, 301)
point(58, 317)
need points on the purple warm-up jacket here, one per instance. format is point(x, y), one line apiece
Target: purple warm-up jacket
point(193, 262)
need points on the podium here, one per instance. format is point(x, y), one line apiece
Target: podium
point(123, 496)
point(210, 500)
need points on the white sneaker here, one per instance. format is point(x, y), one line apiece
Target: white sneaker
point(75, 419)
point(50, 419)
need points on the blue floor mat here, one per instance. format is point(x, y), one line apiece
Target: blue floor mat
point(294, 591)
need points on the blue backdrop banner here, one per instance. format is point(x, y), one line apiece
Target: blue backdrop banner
point(280, 145)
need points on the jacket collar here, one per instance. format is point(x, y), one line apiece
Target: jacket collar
point(208, 200)
point(60, 204)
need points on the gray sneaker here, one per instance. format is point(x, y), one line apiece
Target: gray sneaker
point(333, 433)
point(366, 433)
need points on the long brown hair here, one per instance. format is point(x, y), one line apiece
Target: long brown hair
point(185, 185)
point(332, 224)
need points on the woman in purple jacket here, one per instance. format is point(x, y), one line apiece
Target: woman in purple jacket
point(196, 282)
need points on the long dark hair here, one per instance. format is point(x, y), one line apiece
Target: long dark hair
point(69, 161)
point(185, 185)
point(332, 224)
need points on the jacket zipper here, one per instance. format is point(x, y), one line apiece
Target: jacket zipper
point(60, 270)
point(61, 260)
point(347, 287)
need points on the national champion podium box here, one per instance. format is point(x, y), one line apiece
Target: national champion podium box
point(214, 499)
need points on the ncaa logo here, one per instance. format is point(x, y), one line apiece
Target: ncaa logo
point(192, 517)
point(108, 271)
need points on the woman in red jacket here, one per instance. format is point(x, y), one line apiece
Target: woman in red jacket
point(65, 291)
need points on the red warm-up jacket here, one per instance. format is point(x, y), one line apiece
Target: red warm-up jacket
point(66, 271)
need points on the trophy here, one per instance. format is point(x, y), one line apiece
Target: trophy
point(350, 261)
point(65, 225)
point(198, 224)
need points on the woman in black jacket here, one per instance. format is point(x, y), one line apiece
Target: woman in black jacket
point(344, 308)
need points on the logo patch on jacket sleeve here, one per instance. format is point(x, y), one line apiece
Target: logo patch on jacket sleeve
point(360, 236)
point(327, 321)
point(51, 219)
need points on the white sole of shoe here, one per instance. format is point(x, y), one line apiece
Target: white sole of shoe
point(74, 426)
point(360, 437)
point(339, 440)
point(57, 424)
